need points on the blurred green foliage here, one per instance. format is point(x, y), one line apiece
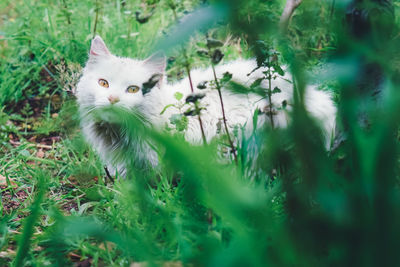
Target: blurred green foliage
point(288, 202)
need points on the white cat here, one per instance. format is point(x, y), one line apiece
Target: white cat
point(111, 80)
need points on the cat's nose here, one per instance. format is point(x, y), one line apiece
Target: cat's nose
point(113, 99)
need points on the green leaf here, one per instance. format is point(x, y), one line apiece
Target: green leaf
point(213, 43)
point(284, 104)
point(166, 107)
point(191, 112)
point(261, 52)
point(202, 52)
point(279, 70)
point(238, 88)
point(25, 153)
point(256, 83)
point(217, 56)
point(199, 20)
point(227, 76)
point(276, 90)
point(178, 96)
point(180, 121)
point(175, 118)
point(192, 98)
point(255, 119)
point(202, 85)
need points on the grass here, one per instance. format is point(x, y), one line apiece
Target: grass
point(289, 204)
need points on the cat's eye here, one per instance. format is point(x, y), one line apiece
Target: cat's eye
point(103, 83)
point(132, 89)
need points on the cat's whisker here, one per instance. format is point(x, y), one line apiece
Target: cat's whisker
point(88, 112)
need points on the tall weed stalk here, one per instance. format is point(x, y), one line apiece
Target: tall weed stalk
point(30, 222)
point(218, 87)
point(172, 5)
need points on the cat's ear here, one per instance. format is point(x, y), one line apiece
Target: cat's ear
point(156, 62)
point(98, 48)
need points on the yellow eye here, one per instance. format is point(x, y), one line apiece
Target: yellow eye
point(103, 83)
point(132, 89)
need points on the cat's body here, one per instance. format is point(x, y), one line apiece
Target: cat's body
point(121, 73)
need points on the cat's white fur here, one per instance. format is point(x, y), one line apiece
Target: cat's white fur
point(123, 72)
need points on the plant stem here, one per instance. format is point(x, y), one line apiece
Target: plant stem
point(69, 23)
point(172, 6)
point(191, 88)
point(96, 19)
point(269, 93)
point(175, 15)
point(202, 130)
point(108, 175)
point(67, 15)
point(187, 67)
point(129, 30)
point(223, 115)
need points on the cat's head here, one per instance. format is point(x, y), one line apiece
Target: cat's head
point(110, 80)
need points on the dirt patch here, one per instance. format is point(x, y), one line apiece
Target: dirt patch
point(13, 199)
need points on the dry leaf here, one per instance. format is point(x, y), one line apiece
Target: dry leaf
point(110, 246)
point(3, 181)
point(40, 154)
point(7, 254)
